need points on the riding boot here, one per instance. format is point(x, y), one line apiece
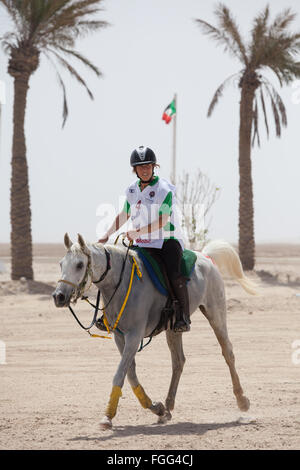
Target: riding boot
point(100, 324)
point(183, 321)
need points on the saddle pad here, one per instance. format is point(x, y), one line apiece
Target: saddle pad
point(152, 266)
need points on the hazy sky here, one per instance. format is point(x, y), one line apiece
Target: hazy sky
point(152, 49)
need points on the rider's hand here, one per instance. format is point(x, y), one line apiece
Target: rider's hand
point(103, 240)
point(132, 235)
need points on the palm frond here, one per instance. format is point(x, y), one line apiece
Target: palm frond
point(61, 82)
point(220, 37)
point(258, 33)
point(52, 27)
point(83, 59)
point(260, 24)
point(13, 9)
point(219, 93)
point(280, 52)
point(274, 46)
point(278, 101)
point(73, 17)
point(282, 21)
point(37, 20)
point(8, 41)
point(275, 110)
point(228, 24)
point(263, 105)
point(72, 71)
point(65, 103)
point(61, 39)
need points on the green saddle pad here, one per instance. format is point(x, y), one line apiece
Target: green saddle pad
point(187, 263)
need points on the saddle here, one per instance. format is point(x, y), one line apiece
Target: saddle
point(157, 272)
point(156, 269)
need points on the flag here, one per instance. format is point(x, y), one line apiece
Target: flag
point(168, 112)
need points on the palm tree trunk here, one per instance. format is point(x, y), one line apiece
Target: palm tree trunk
point(246, 223)
point(21, 241)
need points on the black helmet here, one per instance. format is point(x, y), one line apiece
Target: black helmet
point(141, 156)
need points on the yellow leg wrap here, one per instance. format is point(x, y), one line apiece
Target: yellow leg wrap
point(112, 406)
point(142, 397)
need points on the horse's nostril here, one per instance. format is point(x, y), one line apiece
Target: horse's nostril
point(60, 297)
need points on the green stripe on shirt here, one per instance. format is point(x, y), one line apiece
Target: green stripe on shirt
point(126, 207)
point(166, 206)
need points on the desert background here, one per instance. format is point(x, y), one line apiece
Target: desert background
point(138, 61)
point(56, 381)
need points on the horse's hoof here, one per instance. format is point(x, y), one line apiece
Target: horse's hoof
point(105, 423)
point(164, 418)
point(243, 403)
point(158, 408)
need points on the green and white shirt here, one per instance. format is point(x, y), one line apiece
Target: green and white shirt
point(146, 206)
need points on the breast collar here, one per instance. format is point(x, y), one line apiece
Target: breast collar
point(108, 266)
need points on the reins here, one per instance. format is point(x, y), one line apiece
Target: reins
point(95, 314)
point(120, 278)
point(80, 289)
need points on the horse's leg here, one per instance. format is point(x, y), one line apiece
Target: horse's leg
point(217, 318)
point(129, 350)
point(174, 341)
point(156, 407)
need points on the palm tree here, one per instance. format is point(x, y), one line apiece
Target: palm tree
point(50, 27)
point(271, 46)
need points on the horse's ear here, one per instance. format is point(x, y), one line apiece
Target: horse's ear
point(82, 244)
point(67, 241)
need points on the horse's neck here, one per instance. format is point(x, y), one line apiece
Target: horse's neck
point(99, 264)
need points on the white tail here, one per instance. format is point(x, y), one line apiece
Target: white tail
point(228, 262)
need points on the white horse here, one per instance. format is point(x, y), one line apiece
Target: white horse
point(103, 264)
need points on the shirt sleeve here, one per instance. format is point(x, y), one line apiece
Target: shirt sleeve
point(166, 206)
point(126, 207)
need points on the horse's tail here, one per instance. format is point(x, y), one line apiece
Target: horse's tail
point(228, 262)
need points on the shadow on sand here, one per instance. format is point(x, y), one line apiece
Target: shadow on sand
point(278, 280)
point(185, 428)
point(26, 287)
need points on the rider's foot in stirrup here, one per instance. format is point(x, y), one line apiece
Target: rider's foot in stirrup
point(100, 324)
point(181, 326)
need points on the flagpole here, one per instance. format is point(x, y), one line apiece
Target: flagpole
point(173, 174)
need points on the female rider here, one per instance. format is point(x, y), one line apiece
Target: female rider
point(150, 203)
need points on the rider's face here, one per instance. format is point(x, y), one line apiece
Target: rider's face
point(144, 172)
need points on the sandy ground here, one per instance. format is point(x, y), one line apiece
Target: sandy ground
point(56, 381)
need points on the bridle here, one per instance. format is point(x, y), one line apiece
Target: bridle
point(80, 288)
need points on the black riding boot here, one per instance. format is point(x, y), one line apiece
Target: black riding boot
point(100, 324)
point(183, 321)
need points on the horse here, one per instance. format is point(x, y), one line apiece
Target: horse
point(102, 265)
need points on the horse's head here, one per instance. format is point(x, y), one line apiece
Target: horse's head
point(75, 269)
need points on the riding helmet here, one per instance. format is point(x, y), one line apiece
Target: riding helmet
point(141, 156)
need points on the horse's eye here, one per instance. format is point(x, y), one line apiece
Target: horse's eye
point(79, 265)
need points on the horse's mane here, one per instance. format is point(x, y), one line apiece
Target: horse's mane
point(76, 248)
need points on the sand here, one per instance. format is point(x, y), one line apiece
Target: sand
point(56, 381)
